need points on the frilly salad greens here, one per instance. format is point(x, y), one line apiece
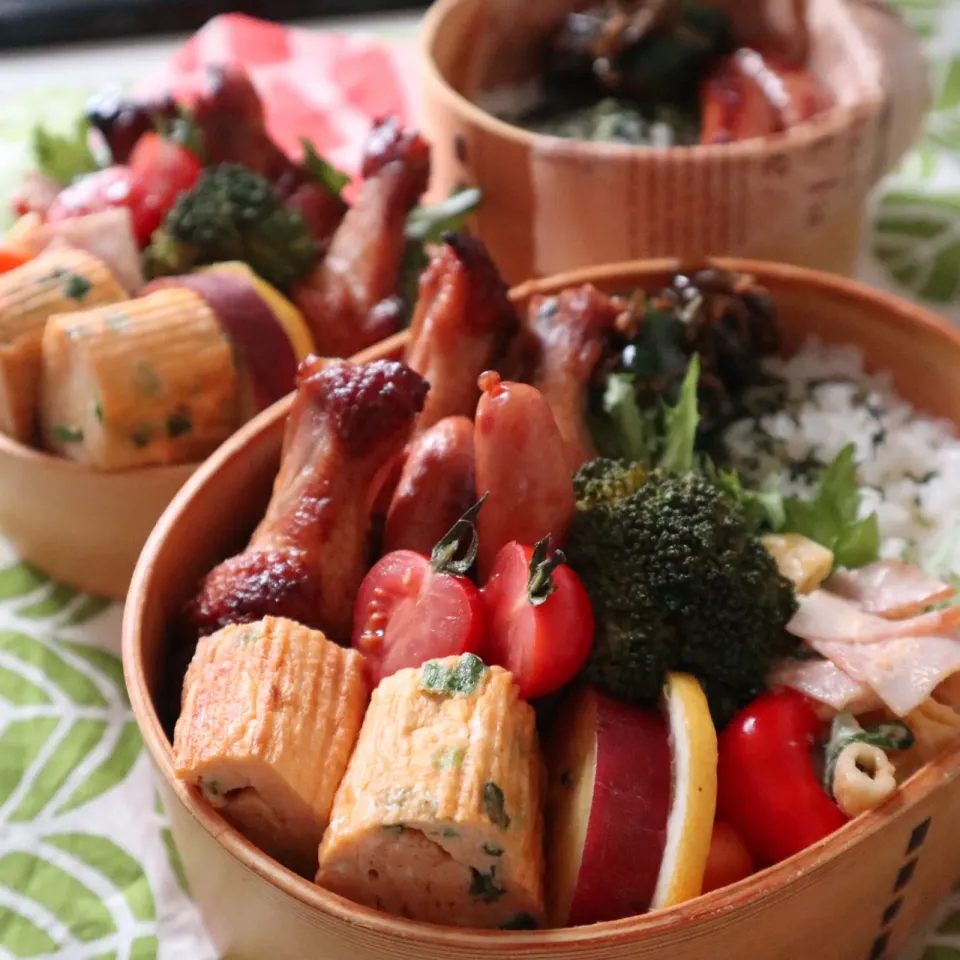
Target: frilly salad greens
point(668, 545)
point(666, 437)
point(64, 157)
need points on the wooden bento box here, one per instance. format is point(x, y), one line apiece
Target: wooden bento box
point(552, 204)
point(853, 896)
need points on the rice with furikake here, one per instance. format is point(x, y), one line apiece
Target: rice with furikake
point(908, 463)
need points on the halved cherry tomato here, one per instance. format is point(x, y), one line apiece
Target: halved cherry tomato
point(540, 618)
point(411, 609)
point(10, 260)
point(158, 173)
point(729, 859)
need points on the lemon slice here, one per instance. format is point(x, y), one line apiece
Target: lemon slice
point(286, 313)
point(693, 740)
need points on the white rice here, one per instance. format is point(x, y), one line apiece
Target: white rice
point(909, 463)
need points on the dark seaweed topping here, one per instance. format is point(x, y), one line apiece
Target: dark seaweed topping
point(493, 805)
point(484, 885)
point(65, 434)
point(462, 679)
point(76, 287)
point(179, 424)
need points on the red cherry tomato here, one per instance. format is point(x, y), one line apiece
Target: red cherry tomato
point(540, 618)
point(729, 859)
point(411, 609)
point(768, 789)
point(158, 173)
point(10, 260)
point(93, 193)
point(408, 613)
point(162, 170)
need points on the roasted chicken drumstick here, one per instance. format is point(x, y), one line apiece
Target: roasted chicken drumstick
point(350, 300)
point(462, 323)
point(570, 332)
point(306, 559)
point(230, 119)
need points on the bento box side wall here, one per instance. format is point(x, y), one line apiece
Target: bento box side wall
point(83, 528)
point(839, 912)
point(704, 203)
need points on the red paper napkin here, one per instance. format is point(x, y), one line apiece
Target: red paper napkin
point(325, 86)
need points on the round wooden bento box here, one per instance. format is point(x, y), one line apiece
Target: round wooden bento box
point(854, 896)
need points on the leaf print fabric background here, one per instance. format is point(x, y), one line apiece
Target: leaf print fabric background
point(88, 869)
point(913, 246)
point(87, 865)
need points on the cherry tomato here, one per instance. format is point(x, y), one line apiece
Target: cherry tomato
point(10, 260)
point(411, 609)
point(158, 173)
point(93, 193)
point(729, 859)
point(540, 618)
point(768, 788)
point(162, 170)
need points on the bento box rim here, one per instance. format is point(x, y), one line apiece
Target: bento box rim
point(268, 426)
point(796, 137)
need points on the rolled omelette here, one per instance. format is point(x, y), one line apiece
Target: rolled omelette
point(271, 712)
point(439, 817)
point(144, 382)
point(59, 281)
point(167, 377)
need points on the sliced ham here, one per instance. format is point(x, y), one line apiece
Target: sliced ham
point(824, 616)
point(903, 670)
point(825, 682)
point(107, 235)
point(890, 588)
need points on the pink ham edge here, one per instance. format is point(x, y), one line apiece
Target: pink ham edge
point(825, 682)
point(824, 616)
point(903, 671)
point(889, 588)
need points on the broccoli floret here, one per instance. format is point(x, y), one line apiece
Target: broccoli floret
point(232, 214)
point(678, 582)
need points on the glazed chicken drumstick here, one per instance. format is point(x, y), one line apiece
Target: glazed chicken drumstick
point(570, 332)
point(230, 119)
point(462, 323)
point(350, 300)
point(305, 560)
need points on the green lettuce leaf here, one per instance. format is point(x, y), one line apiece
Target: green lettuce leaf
point(680, 424)
point(657, 437)
point(324, 173)
point(425, 226)
point(64, 158)
point(832, 516)
point(763, 509)
point(631, 431)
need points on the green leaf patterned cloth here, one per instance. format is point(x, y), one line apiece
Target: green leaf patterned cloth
point(88, 867)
